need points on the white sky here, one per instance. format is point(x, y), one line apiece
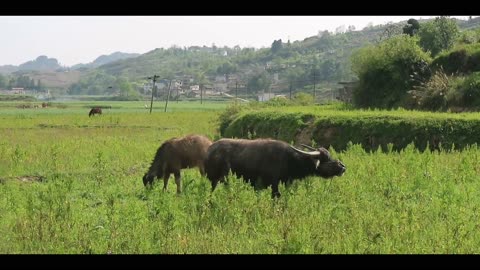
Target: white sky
point(81, 39)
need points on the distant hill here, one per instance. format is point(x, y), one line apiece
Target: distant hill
point(105, 59)
point(53, 79)
point(330, 52)
point(42, 63)
point(7, 69)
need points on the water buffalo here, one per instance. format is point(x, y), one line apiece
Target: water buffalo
point(267, 162)
point(176, 154)
point(94, 111)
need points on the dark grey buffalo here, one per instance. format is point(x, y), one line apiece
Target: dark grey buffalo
point(267, 162)
point(96, 110)
point(176, 154)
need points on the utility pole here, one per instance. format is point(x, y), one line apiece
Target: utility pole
point(168, 95)
point(290, 90)
point(154, 78)
point(201, 93)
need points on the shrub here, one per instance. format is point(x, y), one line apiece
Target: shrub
point(463, 59)
point(384, 71)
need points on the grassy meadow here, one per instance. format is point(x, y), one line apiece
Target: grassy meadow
point(70, 184)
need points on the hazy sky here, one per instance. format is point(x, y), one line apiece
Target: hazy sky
point(81, 39)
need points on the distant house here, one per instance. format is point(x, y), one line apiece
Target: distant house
point(18, 90)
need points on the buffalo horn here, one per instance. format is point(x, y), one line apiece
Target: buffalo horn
point(309, 147)
point(313, 154)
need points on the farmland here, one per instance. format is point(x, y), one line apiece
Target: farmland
point(72, 184)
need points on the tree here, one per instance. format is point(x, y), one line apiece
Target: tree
point(340, 29)
point(328, 70)
point(3, 81)
point(31, 85)
point(276, 46)
point(11, 83)
point(384, 71)
point(438, 35)
point(259, 82)
point(125, 87)
point(227, 68)
point(39, 85)
point(411, 28)
point(390, 31)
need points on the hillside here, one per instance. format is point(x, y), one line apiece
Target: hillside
point(325, 57)
point(42, 63)
point(7, 69)
point(53, 79)
point(318, 62)
point(105, 59)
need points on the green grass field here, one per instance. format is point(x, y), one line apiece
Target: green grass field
point(72, 184)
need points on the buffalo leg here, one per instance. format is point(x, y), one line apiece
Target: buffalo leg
point(275, 192)
point(202, 170)
point(178, 181)
point(214, 184)
point(165, 180)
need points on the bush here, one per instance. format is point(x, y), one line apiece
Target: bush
point(470, 90)
point(303, 99)
point(463, 59)
point(372, 130)
point(432, 94)
point(384, 71)
point(228, 115)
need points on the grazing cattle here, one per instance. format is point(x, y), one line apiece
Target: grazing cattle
point(44, 105)
point(267, 162)
point(94, 111)
point(176, 154)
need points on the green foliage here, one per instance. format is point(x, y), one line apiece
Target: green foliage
point(469, 90)
point(432, 95)
point(228, 115)
point(371, 129)
point(259, 82)
point(384, 71)
point(17, 98)
point(303, 99)
point(469, 36)
point(3, 81)
point(96, 82)
point(126, 89)
point(278, 102)
point(411, 28)
point(94, 202)
point(462, 59)
point(277, 45)
point(227, 68)
point(438, 35)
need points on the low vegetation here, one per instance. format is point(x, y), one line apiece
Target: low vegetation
point(73, 184)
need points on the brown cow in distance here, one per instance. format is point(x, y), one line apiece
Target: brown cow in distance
point(176, 154)
point(94, 111)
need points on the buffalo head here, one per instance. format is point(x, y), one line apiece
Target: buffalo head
point(325, 165)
